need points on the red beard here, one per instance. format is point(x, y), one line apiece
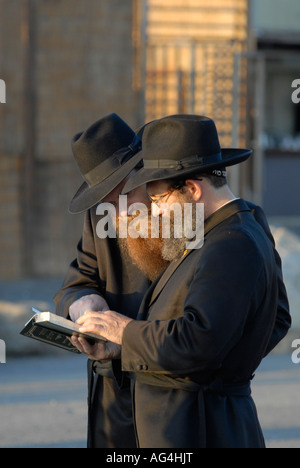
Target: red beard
point(146, 253)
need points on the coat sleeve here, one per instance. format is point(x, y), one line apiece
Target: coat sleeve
point(283, 317)
point(82, 277)
point(216, 309)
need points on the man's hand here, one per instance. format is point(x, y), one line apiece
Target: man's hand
point(89, 302)
point(102, 351)
point(108, 324)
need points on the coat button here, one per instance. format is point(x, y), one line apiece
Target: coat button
point(141, 367)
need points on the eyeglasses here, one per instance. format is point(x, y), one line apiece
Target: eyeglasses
point(176, 187)
point(161, 197)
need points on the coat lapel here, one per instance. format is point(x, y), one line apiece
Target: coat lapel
point(218, 217)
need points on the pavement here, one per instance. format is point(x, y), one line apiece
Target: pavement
point(43, 401)
point(276, 393)
point(43, 390)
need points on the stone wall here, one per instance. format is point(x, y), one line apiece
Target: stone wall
point(76, 67)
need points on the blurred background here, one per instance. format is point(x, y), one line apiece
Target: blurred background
point(68, 63)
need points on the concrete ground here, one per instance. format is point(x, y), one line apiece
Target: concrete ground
point(43, 391)
point(43, 402)
point(277, 397)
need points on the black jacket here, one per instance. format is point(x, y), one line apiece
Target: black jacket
point(100, 268)
point(203, 328)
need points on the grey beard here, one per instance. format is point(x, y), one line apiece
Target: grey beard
point(173, 249)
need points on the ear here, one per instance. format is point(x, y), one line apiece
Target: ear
point(194, 187)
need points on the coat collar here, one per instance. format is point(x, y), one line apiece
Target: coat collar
point(230, 209)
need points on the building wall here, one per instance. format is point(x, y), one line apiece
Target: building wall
point(276, 16)
point(11, 140)
point(81, 69)
point(191, 47)
point(197, 19)
point(275, 29)
point(10, 216)
point(280, 170)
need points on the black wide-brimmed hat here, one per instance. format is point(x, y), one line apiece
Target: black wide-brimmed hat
point(105, 153)
point(179, 146)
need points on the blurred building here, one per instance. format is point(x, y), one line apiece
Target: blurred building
point(195, 62)
point(274, 65)
point(66, 64)
point(235, 61)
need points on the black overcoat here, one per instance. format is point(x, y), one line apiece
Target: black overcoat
point(101, 268)
point(204, 327)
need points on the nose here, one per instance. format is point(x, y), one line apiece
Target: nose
point(156, 210)
point(122, 213)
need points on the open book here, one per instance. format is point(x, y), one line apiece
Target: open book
point(55, 330)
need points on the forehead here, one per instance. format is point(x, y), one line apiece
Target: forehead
point(159, 186)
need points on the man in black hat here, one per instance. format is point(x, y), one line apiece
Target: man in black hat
point(103, 276)
point(207, 322)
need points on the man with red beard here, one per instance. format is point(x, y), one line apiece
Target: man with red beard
point(103, 276)
point(207, 322)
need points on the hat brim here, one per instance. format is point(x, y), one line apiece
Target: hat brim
point(230, 157)
point(86, 197)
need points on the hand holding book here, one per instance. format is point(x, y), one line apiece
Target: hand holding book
point(108, 324)
point(100, 351)
point(54, 330)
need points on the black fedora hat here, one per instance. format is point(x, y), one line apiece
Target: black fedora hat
point(179, 146)
point(105, 153)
